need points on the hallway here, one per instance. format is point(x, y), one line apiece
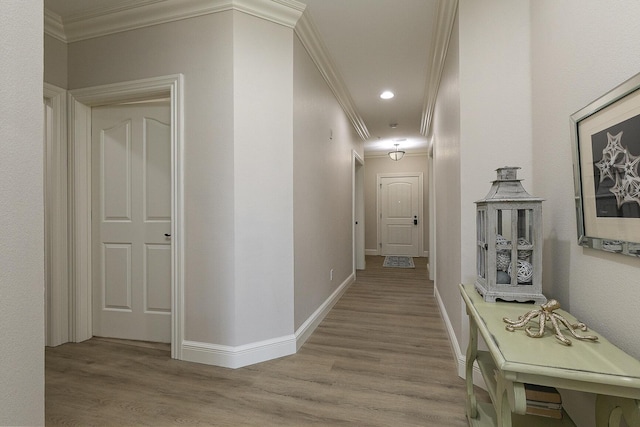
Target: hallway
point(381, 357)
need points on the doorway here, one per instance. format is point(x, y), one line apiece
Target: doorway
point(400, 214)
point(131, 220)
point(359, 262)
point(80, 192)
point(55, 217)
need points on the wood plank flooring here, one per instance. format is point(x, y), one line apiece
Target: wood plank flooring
point(381, 357)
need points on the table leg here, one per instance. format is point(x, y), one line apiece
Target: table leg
point(503, 409)
point(611, 410)
point(472, 354)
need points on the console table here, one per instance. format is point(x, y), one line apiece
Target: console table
point(513, 359)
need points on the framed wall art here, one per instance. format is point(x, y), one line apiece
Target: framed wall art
point(606, 168)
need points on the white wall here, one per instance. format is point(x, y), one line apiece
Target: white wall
point(250, 92)
point(263, 178)
point(493, 85)
point(21, 215)
point(495, 105)
point(238, 162)
point(581, 50)
point(383, 164)
point(447, 176)
point(322, 188)
point(55, 62)
point(202, 49)
point(524, 68)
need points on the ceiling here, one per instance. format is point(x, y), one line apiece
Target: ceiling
point(375, 45)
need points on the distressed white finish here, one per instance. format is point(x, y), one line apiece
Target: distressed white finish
point(509, 232)
point(513, 359)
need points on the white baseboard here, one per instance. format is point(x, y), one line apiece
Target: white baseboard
point(460, 358)
point(237, 357)
point(249, 354)
point(306, 329)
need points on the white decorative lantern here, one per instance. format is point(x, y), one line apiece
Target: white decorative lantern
point(509, 242)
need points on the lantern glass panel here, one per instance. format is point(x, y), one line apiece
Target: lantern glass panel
point(481, 229)
point(514, 246)
point(504, 233)
point(525, 237)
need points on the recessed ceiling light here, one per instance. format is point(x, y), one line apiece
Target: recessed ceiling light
point(387, 94)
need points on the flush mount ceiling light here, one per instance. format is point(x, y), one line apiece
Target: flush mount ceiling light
point(397, 154)
point(387, 94)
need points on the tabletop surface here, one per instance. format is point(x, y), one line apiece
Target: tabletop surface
point(597, 362)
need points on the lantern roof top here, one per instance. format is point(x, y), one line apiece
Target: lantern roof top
point(507, 187)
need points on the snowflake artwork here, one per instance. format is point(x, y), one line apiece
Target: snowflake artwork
point(610, 155)
point(618, 169)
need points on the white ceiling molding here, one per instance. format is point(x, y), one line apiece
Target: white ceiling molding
point(53, 25)
point(310, 39)
point(134, 14)
point(442, 33)
point(144, 13)
point(283, 12)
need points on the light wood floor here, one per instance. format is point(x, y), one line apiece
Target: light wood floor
point(381, 357)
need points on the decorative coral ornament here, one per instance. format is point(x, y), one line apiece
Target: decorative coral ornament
point(544, 314)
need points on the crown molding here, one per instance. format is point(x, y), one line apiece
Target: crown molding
point(310, 39)
point(283, 12)
point(134, 14)
point(53, 25)
point(442, 34)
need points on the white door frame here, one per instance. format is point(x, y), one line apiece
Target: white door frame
point(80, 103)
point(432, 213)
point(418, 175)
point(357, 211)
point(56, 238)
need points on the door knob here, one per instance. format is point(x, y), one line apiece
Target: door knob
point(167, 235)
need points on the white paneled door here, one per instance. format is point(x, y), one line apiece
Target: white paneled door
point(131, 221)
point(400, 215)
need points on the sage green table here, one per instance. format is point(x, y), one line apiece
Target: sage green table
point(514, 359)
